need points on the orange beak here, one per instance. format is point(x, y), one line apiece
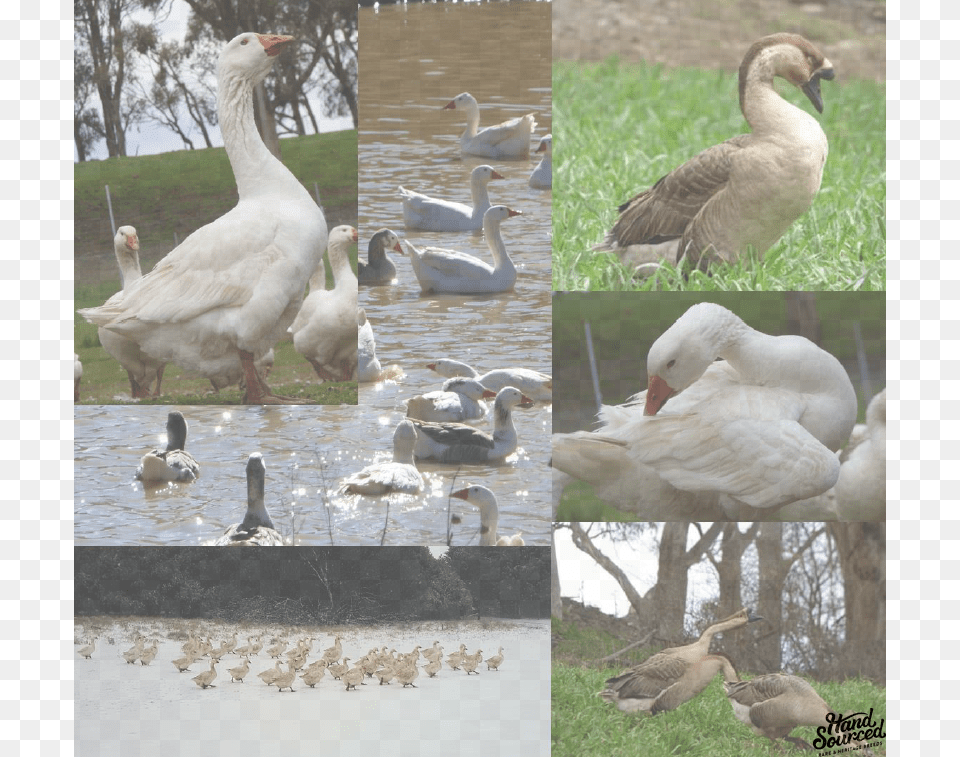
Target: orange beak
point(658, 392)
point(274, 44)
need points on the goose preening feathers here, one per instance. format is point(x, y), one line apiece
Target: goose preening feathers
point(745, 192)
point(400, 475)
point(462, 443)
point(173, 463)
point(675, 675)
point(773, 705)
point(257, 529)
point(142, 370)
point(861, 490)
point(434, 214)
point(441, 270)
point(458, 400)
point(379, 268)
point(542, 176)
point(734, 437)
point(323, 331)
point(535, 385)
point(510, 139)
point(486, 501)
point(227, 294)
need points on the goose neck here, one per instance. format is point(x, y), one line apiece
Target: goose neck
point(129, 268)
point(501, 259)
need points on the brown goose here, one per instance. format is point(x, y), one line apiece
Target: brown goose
point(773, 705)
point(747, 191)
point(675, 675)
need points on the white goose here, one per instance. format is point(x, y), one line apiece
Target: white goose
point(323, 331)
point(861, 490)
point(368, 367)
point(510, 139)
point(745, 192)
point(535, 385)
point(462, 443)
point(228, 293)
point(450, 271)
point(141, 369)
point(257, 529)
point(458, 400)
point(758, 428)
point(433, 214)
point(542, 176)
point(77, 375)
point(173, 463)
point(400, 475)
point(486, 500)
point(87, 651)
point(379, 269)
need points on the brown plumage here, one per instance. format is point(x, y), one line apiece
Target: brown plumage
point(675, 675)
point(773, 705)
point(745, 192)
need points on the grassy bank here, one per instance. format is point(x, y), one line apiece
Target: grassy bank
point(619, 128)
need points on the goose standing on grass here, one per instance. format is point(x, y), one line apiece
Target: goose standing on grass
point(675, 675)
point(861, 490)
point(173, 463)
point(324, 329)
point(462, 443)
point(458, 400)
point(228, 293)
point(257, 529)
point(400, 475)
point(141, 369)
point(535, 385)
point(87, 651)
point(449, 271)
point(77, 375)
point(773, 705)
point(379, 269)
point(205, 679)
point(542, 176)
point(507, 140)
point(745, 192)
point(486, 500)
point(433, 214)
point(744, 435)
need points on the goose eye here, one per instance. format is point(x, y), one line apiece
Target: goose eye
point(244, 41)
point(671, 364)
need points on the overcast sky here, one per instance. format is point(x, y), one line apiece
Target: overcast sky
point(149, 138)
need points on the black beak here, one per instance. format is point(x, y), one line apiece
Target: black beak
point(812, 88)
point(751, 618)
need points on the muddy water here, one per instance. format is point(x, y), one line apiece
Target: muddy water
point(308, 451)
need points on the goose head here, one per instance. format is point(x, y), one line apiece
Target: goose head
point(250, 56)
point(484, 174)
point(497, 213)
point(791, 57)
point(342, 236)
point(546, 145)
point(508, 398)
point(127, 240)
point(383, 240)
point(684, 351)
point(463, 101)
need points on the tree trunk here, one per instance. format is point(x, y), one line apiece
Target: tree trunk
point(773, 573)
point(670, 596)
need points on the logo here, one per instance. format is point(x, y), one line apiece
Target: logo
point(857, 730)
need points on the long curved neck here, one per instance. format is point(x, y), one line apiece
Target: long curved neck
point(257, 514)
point(473, 120)
point(501, 260)
point(478, 191)
point(765, 110)
point(256, 170)
point(503, 421)
point(340, 266)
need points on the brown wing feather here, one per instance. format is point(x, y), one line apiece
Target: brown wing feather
point(667, 209)
point(648, 679)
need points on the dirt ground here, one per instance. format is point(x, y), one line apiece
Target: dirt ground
point(716, 33)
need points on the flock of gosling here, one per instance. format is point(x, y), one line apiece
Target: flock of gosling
point(384, 665)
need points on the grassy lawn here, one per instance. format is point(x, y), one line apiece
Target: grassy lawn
point(166, 197)
point(619, 128)
point(584, 725)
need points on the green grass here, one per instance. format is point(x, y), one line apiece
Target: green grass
point(619, 128)
point(585, 725)
point(175, 194)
